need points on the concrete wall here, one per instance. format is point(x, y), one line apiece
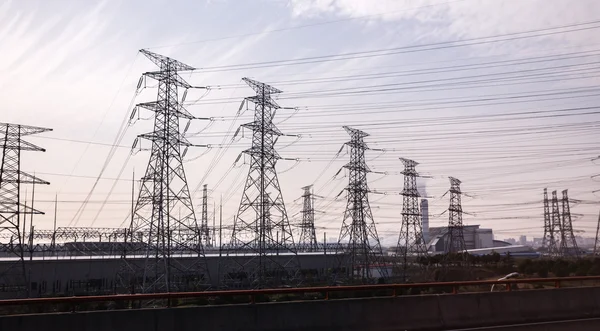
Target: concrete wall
point(431, 312)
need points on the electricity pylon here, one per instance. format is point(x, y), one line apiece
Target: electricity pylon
point(12, 209)
point(164, 213)
point(362, 253)
point(597, 242)
point(456, 237)
point(557, 231)
point(411, 244)
point(568, 244)
point(548, 240)
point(308, 236)
point(204, 230)
point(262, 252)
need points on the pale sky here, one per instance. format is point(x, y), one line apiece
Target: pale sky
point(502, 94)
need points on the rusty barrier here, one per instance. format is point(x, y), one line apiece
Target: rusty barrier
point(172, 299)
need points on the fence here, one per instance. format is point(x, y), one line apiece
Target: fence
point(130, 301)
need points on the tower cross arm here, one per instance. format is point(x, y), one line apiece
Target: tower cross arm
point(174, 78)
point(163, 61)
point(261, 88)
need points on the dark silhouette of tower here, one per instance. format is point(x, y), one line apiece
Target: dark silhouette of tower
point(308, 236)
point(204, 230)
point(568, 244)
point(12, 209)
point(557, 231)
point(262, 252)
point(596, 242)
point(163, 221)
point(362, 253)
point(411, 244)
point(456, 238)
point(548, 240)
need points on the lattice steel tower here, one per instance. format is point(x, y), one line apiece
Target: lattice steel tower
point(12, 208)
point(456, 238)
point(261, 228)
point(597, 241)
point(548, 240)
point(164, 213)
point(557, 231)
point(204, 230)
point(568, 244)
point(358, 235)
point(308, 236)
point(411, 244)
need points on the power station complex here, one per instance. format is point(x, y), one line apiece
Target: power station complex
point(166, 248)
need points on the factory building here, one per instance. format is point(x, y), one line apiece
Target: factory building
point(475, 238)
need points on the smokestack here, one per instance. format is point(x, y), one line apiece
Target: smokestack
point(421, 187)
point(425, 219)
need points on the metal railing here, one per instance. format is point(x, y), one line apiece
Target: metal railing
point(128, 301)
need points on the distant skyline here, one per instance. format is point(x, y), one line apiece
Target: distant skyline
point(502, 94)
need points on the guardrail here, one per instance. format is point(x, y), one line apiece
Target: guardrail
point(324, 293)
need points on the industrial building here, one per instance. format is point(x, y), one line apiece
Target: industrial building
point(475, 238)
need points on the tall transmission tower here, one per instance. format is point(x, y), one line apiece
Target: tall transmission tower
point(358, 235)
point(557, 231)
point(456, 238)
point(204, 230)
point(411, 243)
point(164, 212)
point(548, 240)
point(597, 242)
point(262, 243)
point(308, 236)
point(568, 244)
point(12, 209)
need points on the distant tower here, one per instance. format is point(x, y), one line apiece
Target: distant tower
point(557, 231)
point(12, 209)
point(425, 219)
point(548, 240)
point(308, 236)
point(456, 238)
point(358, 235)
point(411, 244)
point(262, 250)
point(568, 244)
point(204, 230)
point(597, 241)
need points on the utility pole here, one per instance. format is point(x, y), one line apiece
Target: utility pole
point(557, 230)
point(163, 193)
point(31, 227)
point(53, 243)
point(358, 235)
point(568, 244)
point(308, 236)
point(213, 241)
point(13, 211)
point(262, 207)
point(411, 244)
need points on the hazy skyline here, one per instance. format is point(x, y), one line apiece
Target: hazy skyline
point(509, 109)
